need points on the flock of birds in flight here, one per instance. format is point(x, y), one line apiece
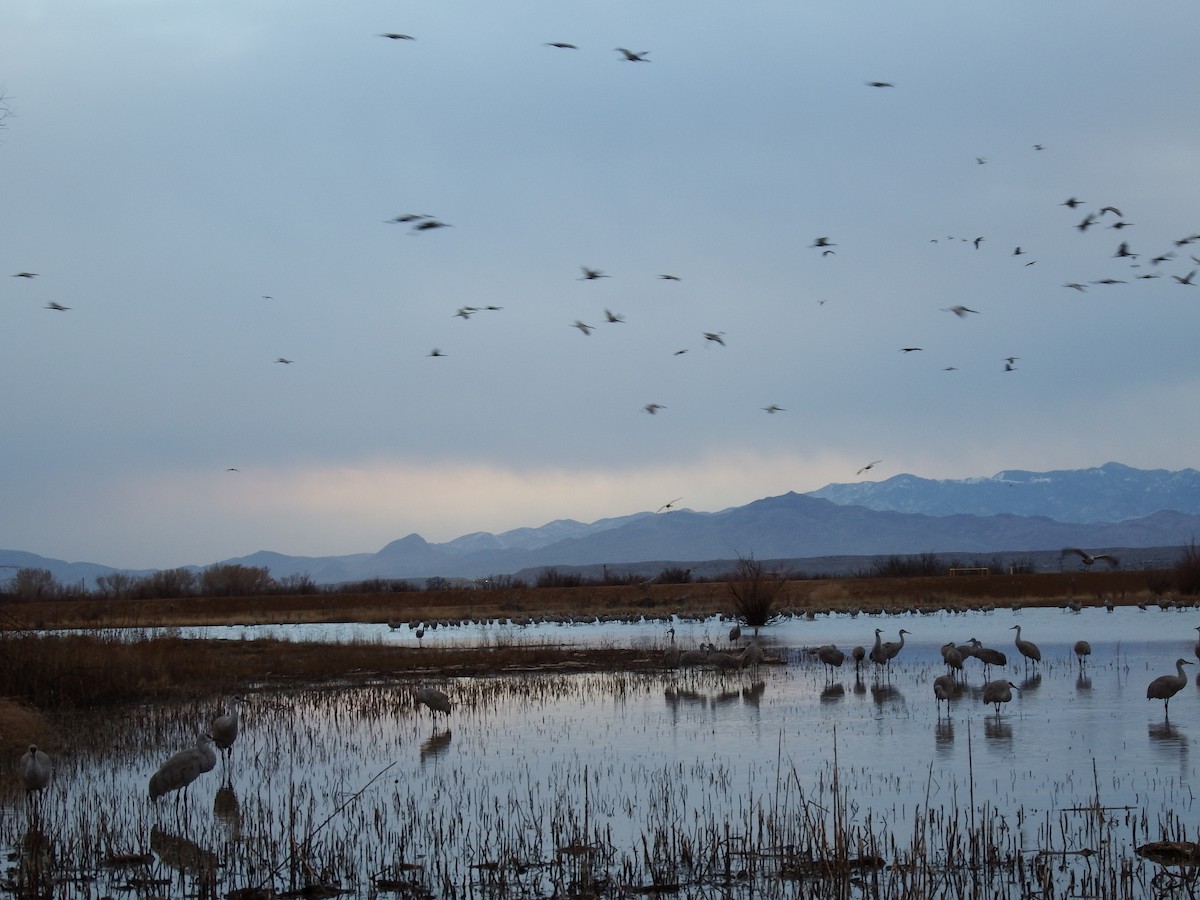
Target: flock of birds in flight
point(1106, 216)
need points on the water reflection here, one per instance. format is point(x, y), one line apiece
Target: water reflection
point(228, 810)
point(833, 693)
point(753, 694)
point(886, 695)
point(1083, 684)
point(435, 746)
point(182, 854)
point(1164, 733)
point(997, 730)
point(1031, 684)
point(943, 736)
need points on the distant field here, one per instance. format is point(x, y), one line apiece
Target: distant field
point(966, 591)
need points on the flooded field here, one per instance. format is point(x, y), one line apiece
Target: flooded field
point(786, 780)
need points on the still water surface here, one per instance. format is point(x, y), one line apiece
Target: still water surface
point(529, 765)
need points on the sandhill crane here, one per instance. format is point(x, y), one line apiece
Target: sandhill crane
point(891, 649)
point(561, 45)
point(1082, 651)
point(717, 337)
point(997, 692)
point(735, 634)
point(1164, 687)
point(869, 466)
point(831, 656)
point(1028, 649)
point(952, 656)
point(25, 275)
point(694, 657)
point(57, 307)
point(35, 769)
point(987, 655)
point(653, 408)
point(753, 655)
point(630, 56)
point(943, 689)
point(592, 274)
point(398, 37)
point(586, 329)
point(184, 767)
point(1089, 559)
point(612, 317)
point(858, 654)
point(960, 310)
point(876, 655)
point(224, 729)
point(436, 700)
point(724, 661)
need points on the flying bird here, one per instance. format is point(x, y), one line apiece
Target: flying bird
point(26, 275)
point(670, 278)
point(630, 56)
point(653, 408)
point(398, 37)
point(1071, 203)
point(610, 316)
point(592, 274)
point(1111, 209)
point(284, 360)
point(428, 225)
point(822, 242)
point(774, 408)
point(1123, 250)
point(1088, 221)
point(561, 45)
point(404, 218)
point(1089, 559)
point(58, 307)
point(1185, 279)
point(910, 349)
point(1076, 285)
point(868, 466)
point(960, 310)
point(586, 329)
point(717, 337)
point(879, 84)
point(669, 506)
point(435, 352)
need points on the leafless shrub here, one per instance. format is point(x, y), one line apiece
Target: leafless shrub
point(754, 590)
point(1187, 570)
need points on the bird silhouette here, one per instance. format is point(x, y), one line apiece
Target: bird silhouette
point(57, 307)
point(869, 466)
point(880, 84)
point(1072, 202)
point(910, 349)
point(429, 225)
point(610, 316)
point(669, 506)
point(561, 45)
point(653, 408)
point(822, 242)
point(586, 329)
point(831, 656)
point(1088, 559)
point(774, 408)
point(592, 274)
point(25, 275)
point(630, 56)
point(1164, 687)
point(35, 769)
point(1186, 279)
point(670, 278)
point(435, 352)
point(405, 218)
point(735, 634)
point(891, 649)
point(184, 767)
point(395, 36)
point(717, 337)
point(435, 700)
point(943, 689)
point(1027, 649)
point(960, 310)
point(224, 729)
point(1082, 651)
point(285, 361)
point(997, 692)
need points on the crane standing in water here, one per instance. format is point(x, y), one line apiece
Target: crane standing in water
point(184, 767)
point(1028, 649)
point(1164, 687)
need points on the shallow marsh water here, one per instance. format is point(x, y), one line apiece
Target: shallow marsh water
point(719, 784)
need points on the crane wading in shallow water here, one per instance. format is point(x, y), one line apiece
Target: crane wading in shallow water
point(35, 769)
point(184, 767)
point(1164, 687)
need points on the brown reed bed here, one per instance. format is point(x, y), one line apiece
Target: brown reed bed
point(624, 601)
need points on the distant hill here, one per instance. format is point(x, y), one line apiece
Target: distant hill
point(1109, 493)
point(973, 521)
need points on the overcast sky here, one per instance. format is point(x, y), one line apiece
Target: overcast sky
point(208, 186)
